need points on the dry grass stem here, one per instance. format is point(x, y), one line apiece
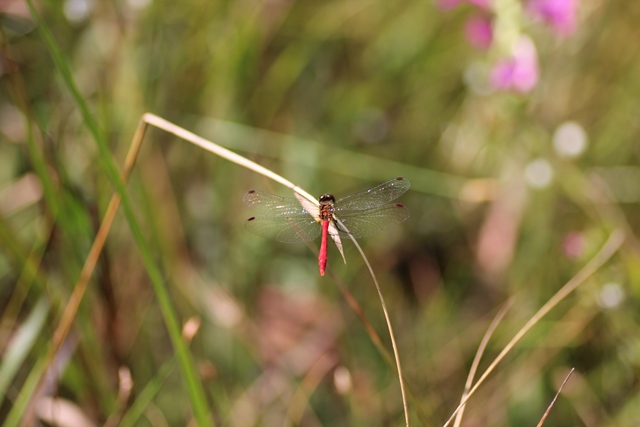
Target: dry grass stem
point(476, 360)
point(546, 413)
point(209, 146)
point(611, 246)
point(396, 355)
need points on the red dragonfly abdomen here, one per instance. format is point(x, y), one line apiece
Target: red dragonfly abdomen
point(325, 213)
point(322, 256)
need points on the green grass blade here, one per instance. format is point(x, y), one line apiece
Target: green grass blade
point(21, 343)
point(194, 388)
point(135, 411)
point(26, 393)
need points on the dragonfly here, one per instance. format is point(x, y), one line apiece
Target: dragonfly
point(359, 215)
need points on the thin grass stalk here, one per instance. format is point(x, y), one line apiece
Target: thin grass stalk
point(300, 399)
point(610, 247)
point(387, 319)
point(476, 360)
point(147, 394)
point(377, 342)
point(546, 413)
point(27, 391)
point(30, 273)
point(209, 146)
point(33, 139)
point(23, 339)
point(91, 261)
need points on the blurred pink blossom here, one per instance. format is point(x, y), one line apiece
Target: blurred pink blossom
point(479, 31)
point(482, 4)
point(519, 72)
point(573, 244)
point(561, 15)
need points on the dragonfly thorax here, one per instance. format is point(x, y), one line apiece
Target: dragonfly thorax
point(326, 207)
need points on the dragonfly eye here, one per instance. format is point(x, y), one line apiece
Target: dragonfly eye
point(327, 198)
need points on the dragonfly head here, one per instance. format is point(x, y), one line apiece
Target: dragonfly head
point(327, 199)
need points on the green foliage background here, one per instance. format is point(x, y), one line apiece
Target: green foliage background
point(335, 96)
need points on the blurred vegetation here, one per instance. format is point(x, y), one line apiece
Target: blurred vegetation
point(512, 193)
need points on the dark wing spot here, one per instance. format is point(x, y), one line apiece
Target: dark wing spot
point(251, 191)
point(399, 178)
point(252, 218)
point(399, 205)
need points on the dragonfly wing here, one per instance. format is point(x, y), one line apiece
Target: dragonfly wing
point(271, 205)
point(279, 218)
point(375, 197)
point(287, 230)
point(366, 223)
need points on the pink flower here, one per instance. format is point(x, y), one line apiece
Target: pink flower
point(519, 72)
point(479, 32)
point(561, 15)
point(482, 4)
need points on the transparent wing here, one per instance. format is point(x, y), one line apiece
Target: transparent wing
point(363, 214)
point(366, 223)
point(374, 198)
point(279, 218)
point(271, 205)
point(286, 230)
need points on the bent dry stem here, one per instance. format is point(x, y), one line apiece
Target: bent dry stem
point(610, 247)
point(80, 288)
